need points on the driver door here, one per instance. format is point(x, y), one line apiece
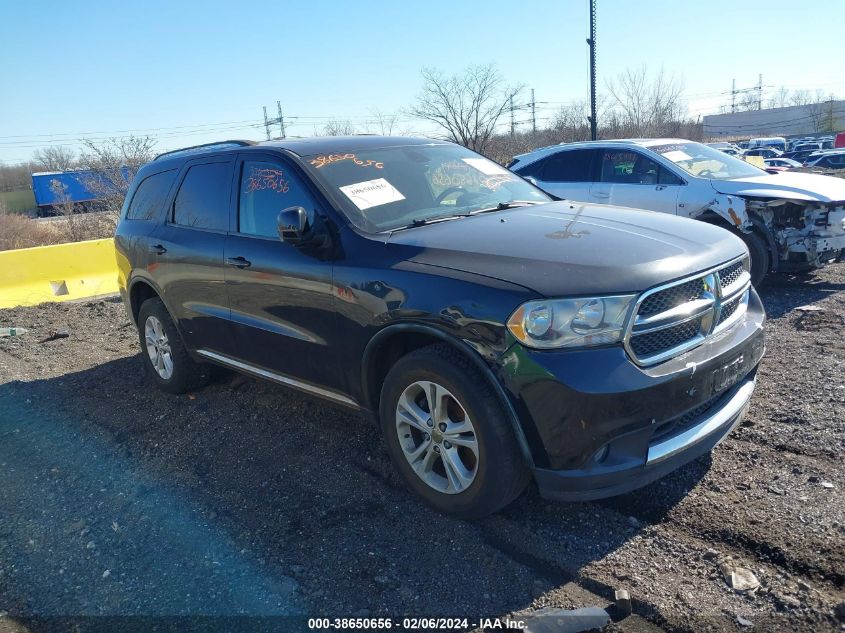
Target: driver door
point(282, 306)
point(628, 178)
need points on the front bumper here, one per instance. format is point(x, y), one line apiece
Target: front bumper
point(662, 457)
point(598, 425)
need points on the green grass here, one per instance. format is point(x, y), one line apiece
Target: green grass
point(17, 201)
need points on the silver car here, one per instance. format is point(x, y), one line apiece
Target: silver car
point(790, 222)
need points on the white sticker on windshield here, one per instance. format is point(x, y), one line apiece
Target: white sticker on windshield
point(487, 167)
point(677, 155)
point(372, 193)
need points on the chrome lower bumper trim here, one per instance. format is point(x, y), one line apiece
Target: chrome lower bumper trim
point(728, 413)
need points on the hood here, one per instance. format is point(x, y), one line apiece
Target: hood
point(791, 185)
point(565, 248)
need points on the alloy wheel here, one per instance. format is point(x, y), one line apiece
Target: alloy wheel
point(158, 347)
point(437, 437)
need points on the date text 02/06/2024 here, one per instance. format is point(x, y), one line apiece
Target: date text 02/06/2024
point(415, 624)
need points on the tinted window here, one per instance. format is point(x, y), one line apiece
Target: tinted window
point(630, 168)
point(203, 198)
point(666, 177)
point(150, 196)
point(570, 166)
point(266, 189)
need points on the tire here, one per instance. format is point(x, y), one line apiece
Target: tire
point(761, 260)
point(172, 368)
point(488, 475)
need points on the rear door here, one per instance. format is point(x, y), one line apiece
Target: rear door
point(281, 300)
point(629, 178)
point(188, 254)
point(567, 174)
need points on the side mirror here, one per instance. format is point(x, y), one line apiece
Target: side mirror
point(293, 224)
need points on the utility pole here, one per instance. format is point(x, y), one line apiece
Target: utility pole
point(733, 96)
point(513, 128)
point(281, 119)
point(533, 113)
point(592, 43)
point(760, 92)
point(266, 123)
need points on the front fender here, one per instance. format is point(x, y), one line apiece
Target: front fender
point(463, 347)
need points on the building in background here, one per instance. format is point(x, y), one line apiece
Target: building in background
point(818, 118)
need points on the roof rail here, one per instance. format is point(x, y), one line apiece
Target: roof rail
point(206, 146)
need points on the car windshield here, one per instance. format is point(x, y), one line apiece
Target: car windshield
point(396, 187)
point(706, 162)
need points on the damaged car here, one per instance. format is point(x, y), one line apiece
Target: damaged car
point(490, 334)
point(791, 222)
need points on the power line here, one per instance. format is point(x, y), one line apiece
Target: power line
point(134, 130)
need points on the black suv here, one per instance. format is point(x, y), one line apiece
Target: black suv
point(492, 333)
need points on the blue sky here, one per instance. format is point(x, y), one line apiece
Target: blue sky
point(192, 72)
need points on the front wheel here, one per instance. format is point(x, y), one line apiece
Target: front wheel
point(761, 260)
point(448, 435)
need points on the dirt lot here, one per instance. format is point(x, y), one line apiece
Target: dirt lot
point(247, 498)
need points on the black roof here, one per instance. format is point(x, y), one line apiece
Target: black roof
point(336, 144)
point(304, 146)
point(299, 146)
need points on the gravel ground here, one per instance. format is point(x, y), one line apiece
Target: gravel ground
point(247, 498)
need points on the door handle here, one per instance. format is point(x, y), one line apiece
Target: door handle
point(238, 262)
point(601, 194)
point(158, 249)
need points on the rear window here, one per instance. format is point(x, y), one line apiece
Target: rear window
point(150, 196)
point(203, 198)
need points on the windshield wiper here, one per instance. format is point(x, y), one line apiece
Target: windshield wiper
point(426, 221)
point(503, 206)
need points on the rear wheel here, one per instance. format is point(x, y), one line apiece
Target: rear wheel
point(761, 260)
point(165, 357)
point(448, 434)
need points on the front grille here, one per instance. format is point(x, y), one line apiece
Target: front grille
point(672, 297)
point(672, 319)
point(729, 275)
point(659, 341)
point(685, 421)
point(728, 309)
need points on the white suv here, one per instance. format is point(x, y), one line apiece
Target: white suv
point(790, 221)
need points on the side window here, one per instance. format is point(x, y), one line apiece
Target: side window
point(203, 198)
point(535, 169)
point(628, 168)
point(569, 166)
point(265, 189)
point(150, 196)
point(666, 177)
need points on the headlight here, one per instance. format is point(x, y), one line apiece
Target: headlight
point(571, 322)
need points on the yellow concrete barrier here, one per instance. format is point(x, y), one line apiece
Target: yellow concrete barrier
point(64, 272)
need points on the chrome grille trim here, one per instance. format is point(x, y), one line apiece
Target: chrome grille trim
point(718, 308)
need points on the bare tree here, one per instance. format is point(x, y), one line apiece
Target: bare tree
point(17, 177)
point(383, 124)
point(113, 165)
point(747, 102)
point(467, 106)
point(647, 106)
point(336, 127)
point(65, 207)
point(780, 99)
point(55, 158)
